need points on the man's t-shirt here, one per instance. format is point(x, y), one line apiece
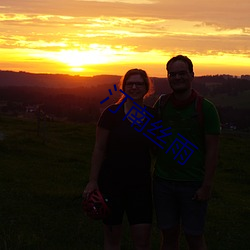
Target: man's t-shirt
point(183, 156)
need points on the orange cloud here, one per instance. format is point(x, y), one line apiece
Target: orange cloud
point(123, 32)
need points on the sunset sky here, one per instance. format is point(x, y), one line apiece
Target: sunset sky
point(88, 38)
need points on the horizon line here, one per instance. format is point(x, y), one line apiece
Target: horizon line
point(90, 76)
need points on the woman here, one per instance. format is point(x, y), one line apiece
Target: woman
point(121, 164)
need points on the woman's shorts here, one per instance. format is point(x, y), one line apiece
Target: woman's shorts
point(135, 202)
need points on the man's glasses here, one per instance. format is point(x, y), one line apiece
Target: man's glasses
point(137, 84)
point(179, 73)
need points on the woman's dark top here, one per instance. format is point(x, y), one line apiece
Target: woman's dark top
point(127, 161)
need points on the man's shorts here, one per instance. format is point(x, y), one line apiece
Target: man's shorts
point(135, 202)
point(174, 205)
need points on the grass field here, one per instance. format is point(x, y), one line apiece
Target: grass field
point(42, 177)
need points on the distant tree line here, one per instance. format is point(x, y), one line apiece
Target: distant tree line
point(80, 102)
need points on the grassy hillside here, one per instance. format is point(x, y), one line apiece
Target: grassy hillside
point(241, 100)
point(42, 177)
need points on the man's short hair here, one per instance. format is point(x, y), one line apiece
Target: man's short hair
point(181, 58)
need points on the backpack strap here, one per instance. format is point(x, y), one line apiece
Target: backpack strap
point(198, 107)
point(164, 98)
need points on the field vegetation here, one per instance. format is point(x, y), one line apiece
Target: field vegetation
point(43, 175)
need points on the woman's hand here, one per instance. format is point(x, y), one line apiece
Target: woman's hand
point(90, 187)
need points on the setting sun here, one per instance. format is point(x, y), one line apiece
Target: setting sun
point(76, 59)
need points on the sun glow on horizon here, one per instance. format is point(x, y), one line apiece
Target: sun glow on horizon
point(107, 59)
point(95, 54)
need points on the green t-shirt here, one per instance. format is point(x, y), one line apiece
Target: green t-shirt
point(183, 156)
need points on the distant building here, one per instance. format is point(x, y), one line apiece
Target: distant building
point(225, 76)
point(2, 136)
point(31, 108)
point(246, 77)
point(229, 126)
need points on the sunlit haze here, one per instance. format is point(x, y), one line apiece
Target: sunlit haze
point(88, 38)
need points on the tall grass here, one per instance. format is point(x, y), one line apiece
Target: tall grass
point(42, 178)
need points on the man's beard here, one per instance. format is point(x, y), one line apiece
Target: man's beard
point(186, 87)
point(180, 91)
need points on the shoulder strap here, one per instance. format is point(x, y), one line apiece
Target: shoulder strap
point(163, 99)
point(198, 107)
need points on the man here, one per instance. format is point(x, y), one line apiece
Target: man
point(185, 168)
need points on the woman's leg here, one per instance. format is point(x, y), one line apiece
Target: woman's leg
point(141, 235)
point(112, 237)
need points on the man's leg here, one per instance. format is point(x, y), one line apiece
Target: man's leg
point(167, 211)
point(193, 215)
point(196, 242)
point(170, 239)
